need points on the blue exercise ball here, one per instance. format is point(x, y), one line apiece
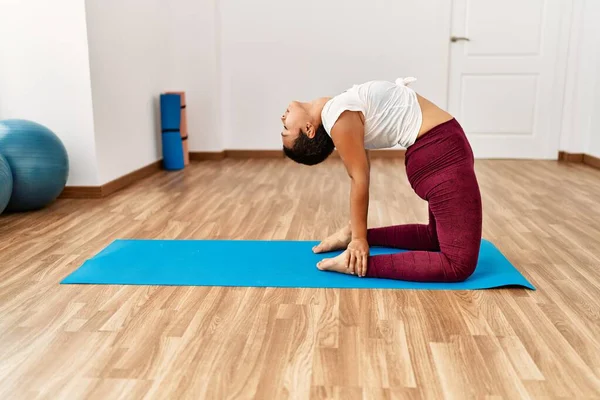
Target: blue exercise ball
point(6, 183)
point(38, 161)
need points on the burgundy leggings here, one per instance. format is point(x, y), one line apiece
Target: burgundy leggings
point(440, 169)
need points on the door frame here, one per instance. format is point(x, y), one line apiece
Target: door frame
point(577, 99)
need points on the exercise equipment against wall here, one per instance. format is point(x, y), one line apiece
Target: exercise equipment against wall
point(6, 183)
point(170, 120)
point(38, 161)
point(183, 127)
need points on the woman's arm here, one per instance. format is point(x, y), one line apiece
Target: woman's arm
point(348, 136)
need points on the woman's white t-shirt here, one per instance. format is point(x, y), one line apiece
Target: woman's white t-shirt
point(391, 111)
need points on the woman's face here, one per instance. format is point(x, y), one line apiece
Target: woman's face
point(295, 119)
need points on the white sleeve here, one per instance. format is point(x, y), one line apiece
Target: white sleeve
point(347, 101)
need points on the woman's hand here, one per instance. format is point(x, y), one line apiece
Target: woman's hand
point(358, 250)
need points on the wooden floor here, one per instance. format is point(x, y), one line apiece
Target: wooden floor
point(126, 342)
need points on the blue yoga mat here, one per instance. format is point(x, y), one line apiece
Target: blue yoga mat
point(259, 264)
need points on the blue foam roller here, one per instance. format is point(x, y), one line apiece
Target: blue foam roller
point(172, 147)
point(170, 120)
point(170, 112)
point(6, 183)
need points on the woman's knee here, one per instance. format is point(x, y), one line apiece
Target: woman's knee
point(463, 269)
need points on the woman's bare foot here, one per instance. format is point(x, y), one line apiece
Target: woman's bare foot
point(336, 264)
point(338, 241)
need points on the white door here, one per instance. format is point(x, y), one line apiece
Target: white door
point(507, 66)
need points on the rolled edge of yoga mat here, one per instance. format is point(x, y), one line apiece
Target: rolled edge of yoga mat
point(184, 136)
point(172, 150)
point(183, 126)
point(186, 150)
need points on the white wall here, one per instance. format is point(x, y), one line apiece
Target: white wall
point(581, 112)
point(131, 64)
point(195, 55)
point(593, 145)
point(273, 52)
point(44, 76)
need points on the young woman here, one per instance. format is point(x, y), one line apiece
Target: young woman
point(439, 165)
